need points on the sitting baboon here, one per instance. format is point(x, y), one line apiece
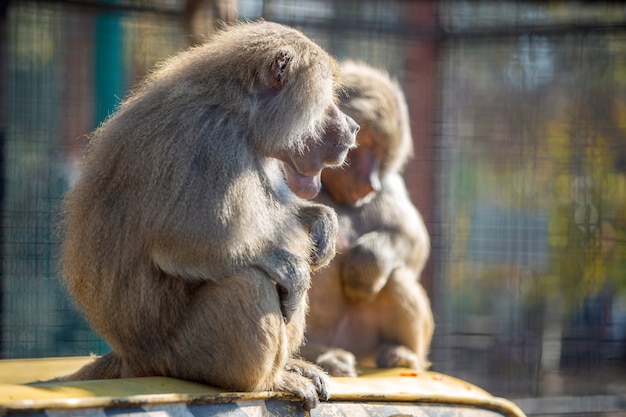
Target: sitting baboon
point(368, 306)
point(187, 242)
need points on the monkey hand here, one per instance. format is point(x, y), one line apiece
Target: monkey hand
point(366, 267)
point(323, 228)
point(292, 276)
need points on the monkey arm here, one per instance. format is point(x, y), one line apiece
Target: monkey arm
point(204, 260)
point(397, 237)
point(292, 276)
point(400, 220)
point(373, 256)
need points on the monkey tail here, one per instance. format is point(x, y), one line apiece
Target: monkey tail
point(108, 366)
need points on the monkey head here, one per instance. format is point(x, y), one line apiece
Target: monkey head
point(384, 142)
point(280, 87)
point(293, 97)
point(298, 89)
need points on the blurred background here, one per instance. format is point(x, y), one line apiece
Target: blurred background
point(519, 121)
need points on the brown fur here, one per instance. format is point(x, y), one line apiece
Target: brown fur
point(183, 243)
point(368, 306)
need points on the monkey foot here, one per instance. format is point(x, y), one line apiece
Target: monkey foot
point(338, 362)
point(395, 356)
point(307, 381)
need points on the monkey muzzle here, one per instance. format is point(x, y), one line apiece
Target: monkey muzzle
point(303, 185)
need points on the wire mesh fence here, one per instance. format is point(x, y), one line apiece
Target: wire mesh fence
point(519, 120)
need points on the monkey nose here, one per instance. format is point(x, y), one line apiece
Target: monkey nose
point(352, 125)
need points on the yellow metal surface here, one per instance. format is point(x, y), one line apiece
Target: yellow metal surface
point(403, 383)
point(20, 371)
point(406, 385)
point(392, 385)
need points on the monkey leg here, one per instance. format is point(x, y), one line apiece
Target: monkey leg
point(406, 322)
point(231, 335)
point(234, 337)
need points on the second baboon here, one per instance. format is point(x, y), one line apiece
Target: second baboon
point(187, 240)
point(368, 305)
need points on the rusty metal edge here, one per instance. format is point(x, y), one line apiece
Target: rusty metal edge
point(494, 403)
point(141, 400)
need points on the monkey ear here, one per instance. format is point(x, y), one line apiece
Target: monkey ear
point(279, 65)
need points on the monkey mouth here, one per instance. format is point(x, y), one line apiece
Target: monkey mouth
point(305, 186)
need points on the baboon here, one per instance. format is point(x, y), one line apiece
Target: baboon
point(188, 242)
point(368, 307)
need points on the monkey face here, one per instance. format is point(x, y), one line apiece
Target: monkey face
point(359, 180)
point(303, 169)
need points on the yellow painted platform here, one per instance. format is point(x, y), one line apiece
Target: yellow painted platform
point(392, 388)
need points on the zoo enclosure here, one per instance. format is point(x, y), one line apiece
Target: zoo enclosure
point(519, 121)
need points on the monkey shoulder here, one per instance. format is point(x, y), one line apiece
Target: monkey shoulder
point(390, 206)
point(392, 210)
